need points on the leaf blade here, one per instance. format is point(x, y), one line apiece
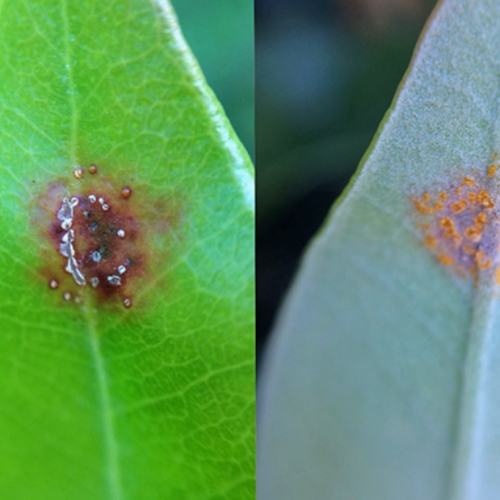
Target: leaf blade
point(400, 401)
point(116, 84)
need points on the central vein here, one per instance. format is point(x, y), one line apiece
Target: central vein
point(111, 462)
point(68, 60)
point(469, 453)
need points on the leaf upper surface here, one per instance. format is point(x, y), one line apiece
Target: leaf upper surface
point(382, 380)
point(156, 403)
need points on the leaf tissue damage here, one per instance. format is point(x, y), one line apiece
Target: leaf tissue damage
point(460, 224)
point(99, 237)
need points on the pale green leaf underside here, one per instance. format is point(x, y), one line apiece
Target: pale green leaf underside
point(383, 378)
point(150, 405)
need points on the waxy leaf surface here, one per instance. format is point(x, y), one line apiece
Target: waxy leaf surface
point(155, 401)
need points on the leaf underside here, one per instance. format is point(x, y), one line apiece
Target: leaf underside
point(382, 378)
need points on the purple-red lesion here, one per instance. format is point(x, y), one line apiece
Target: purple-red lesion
point(99, 233)
point(460, 224)
point(113, 244)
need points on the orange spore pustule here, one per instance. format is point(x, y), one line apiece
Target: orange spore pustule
point(465, 236)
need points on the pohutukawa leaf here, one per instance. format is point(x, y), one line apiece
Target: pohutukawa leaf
point(126, 262)
point(383, 378)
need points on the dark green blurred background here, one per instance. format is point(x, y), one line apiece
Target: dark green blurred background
point(326, 72)
point(221, 35)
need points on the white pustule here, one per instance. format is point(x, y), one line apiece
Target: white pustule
point(66, 248)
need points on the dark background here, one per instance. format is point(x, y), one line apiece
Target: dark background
point(326, 72)
point(221, 36)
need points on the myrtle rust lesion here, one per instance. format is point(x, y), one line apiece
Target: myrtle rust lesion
point(460, 224)
point(104, 238)
point(98, 237)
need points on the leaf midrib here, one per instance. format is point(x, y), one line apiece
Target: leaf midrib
point(74, 115)
point(464, 479)
point(111, 463)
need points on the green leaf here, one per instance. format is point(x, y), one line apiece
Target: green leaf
point(99, 401)
point(382, 380)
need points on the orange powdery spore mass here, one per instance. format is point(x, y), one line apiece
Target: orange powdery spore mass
point(469, 250)
point(480, 219)
point(482, 261)
point(449, 230)
point(446, 260)
point(473, 234)
point(460, 225)
point(484, 199)
point(472, 196)
point(459, 206)
point(429, 241)
point(423, 209)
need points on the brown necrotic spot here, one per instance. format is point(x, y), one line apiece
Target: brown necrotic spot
point(96, 240)
point(100, 249)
